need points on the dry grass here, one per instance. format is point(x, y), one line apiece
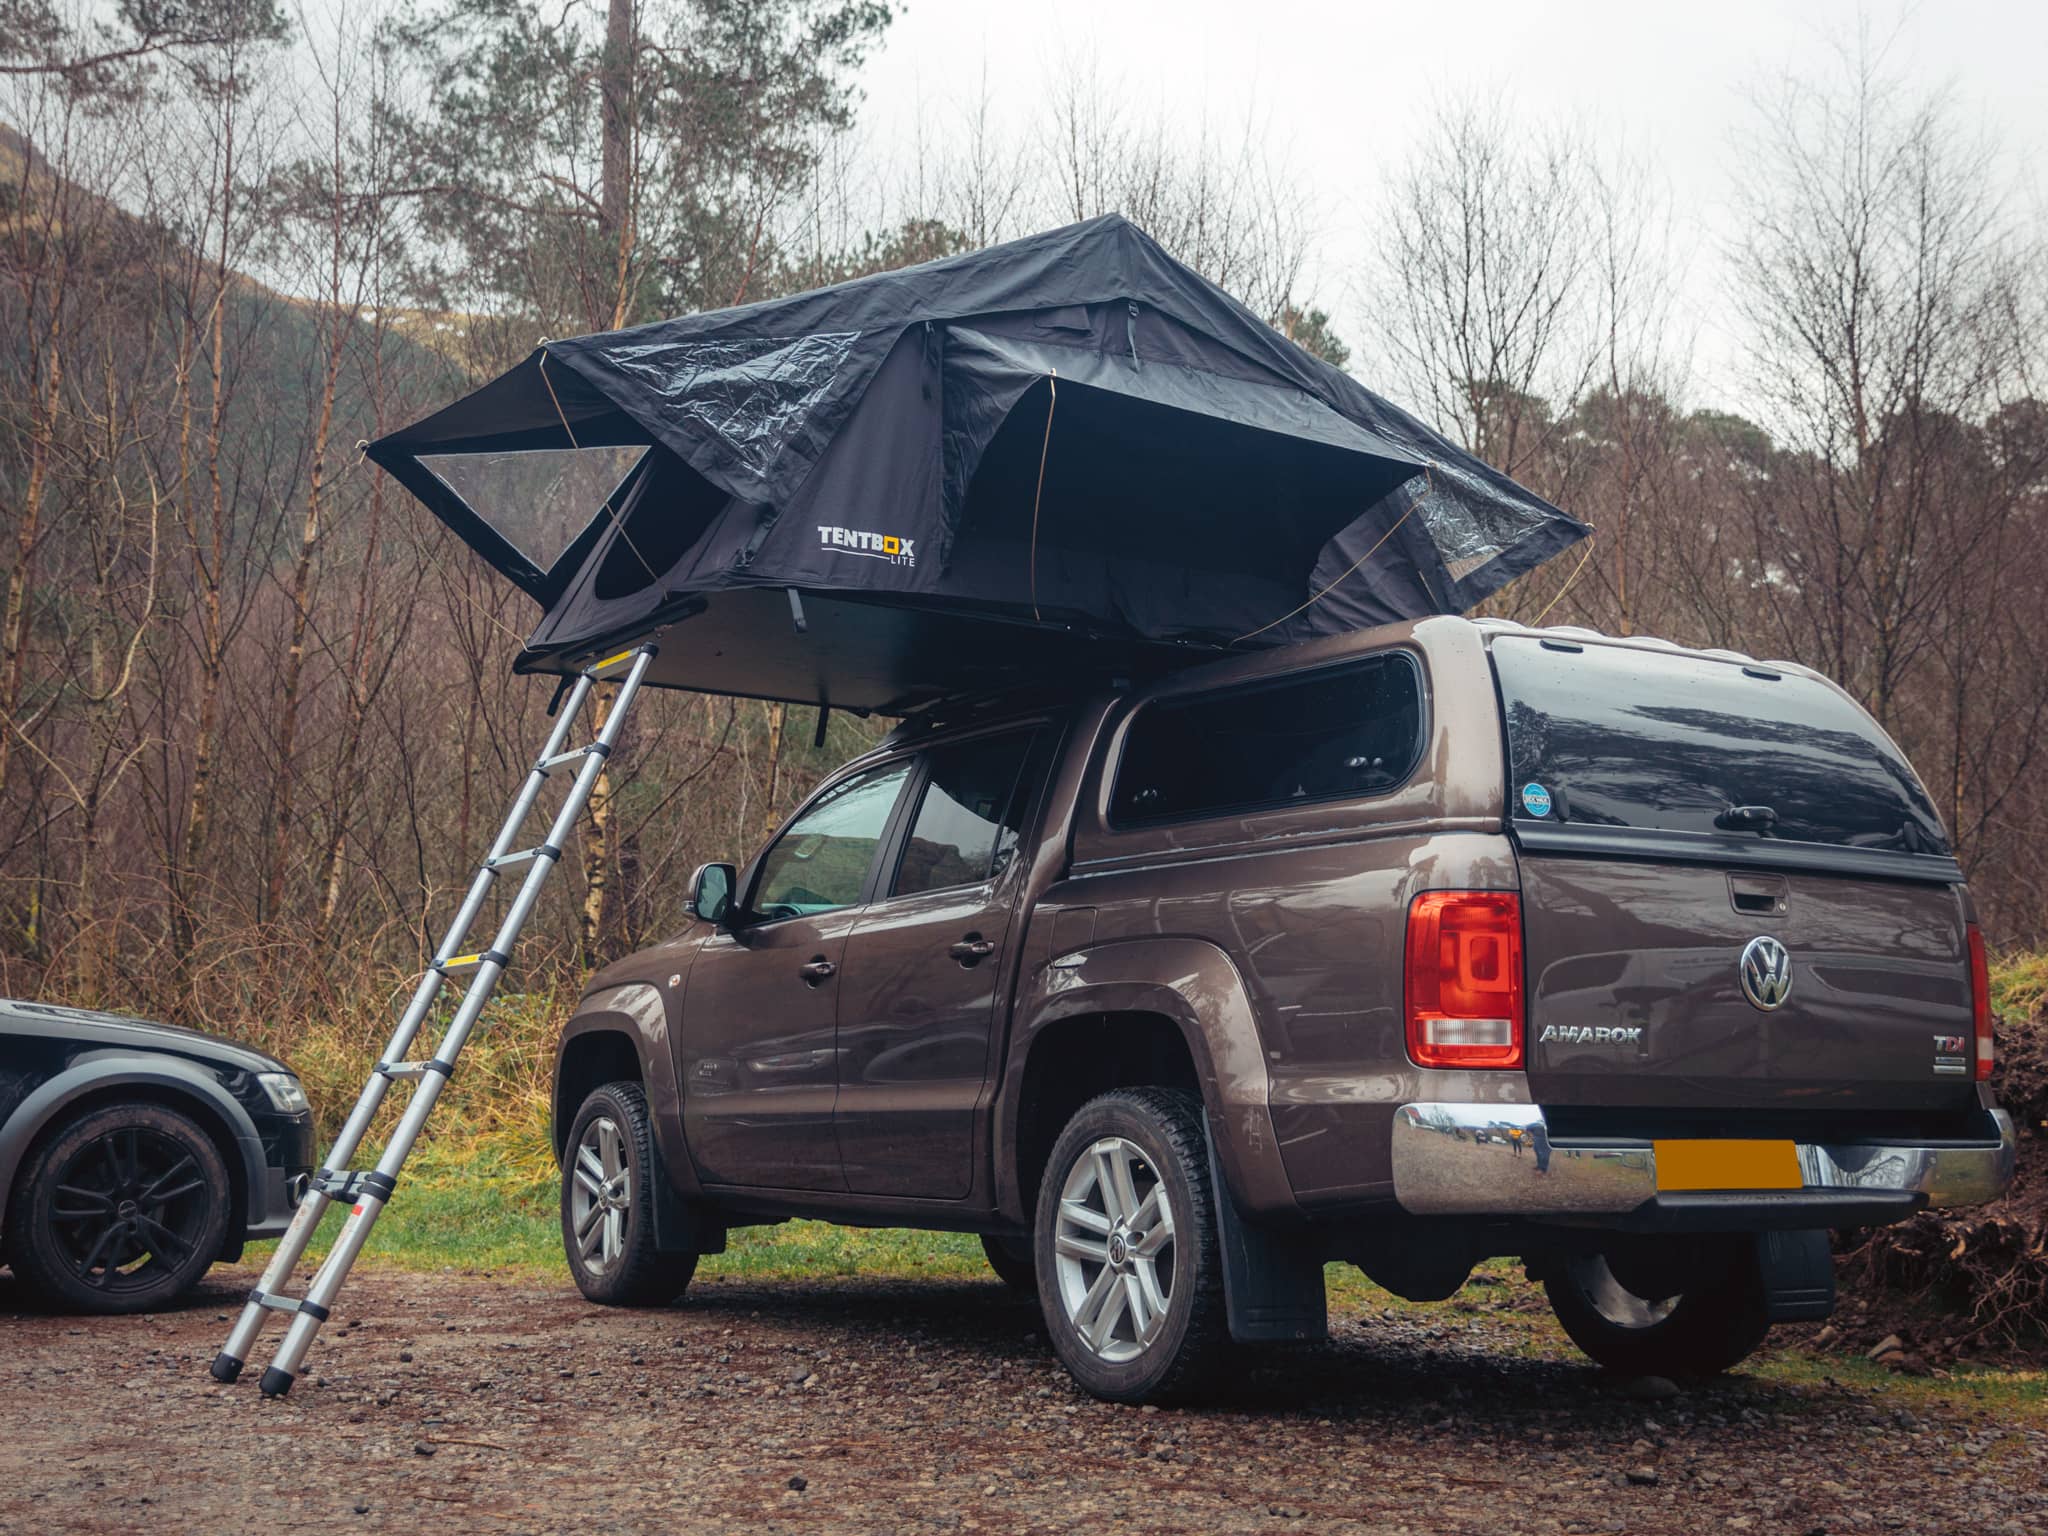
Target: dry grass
point(332, 1028)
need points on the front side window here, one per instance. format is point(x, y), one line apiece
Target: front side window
point(1332, 734)
point(821, 862)
point(968, 819)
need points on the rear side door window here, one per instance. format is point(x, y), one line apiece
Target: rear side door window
point(1335, 733)
point(970, 816)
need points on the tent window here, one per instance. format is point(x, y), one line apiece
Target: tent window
point(539, 500)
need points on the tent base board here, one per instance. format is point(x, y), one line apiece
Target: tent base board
point(863, 656)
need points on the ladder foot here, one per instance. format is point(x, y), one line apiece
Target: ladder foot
point(226, 1368)
point(276, 1383)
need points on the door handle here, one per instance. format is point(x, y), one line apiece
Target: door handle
point(816, 971)
point(972, 948)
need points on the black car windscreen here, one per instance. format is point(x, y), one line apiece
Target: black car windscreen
point(1615, 737)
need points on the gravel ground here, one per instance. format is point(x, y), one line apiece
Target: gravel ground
point(480, 1404)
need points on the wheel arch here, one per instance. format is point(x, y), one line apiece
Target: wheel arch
point(623, 1032)
point(117, 1078)
point(1127, 1000)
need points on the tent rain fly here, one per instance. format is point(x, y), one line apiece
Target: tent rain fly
point(1067, 452)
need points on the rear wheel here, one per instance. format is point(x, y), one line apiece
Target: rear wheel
point(1683, 1309)
point(609, 1170)
point(120, 1210)
point(1130, 1272)
point(1010, 1258)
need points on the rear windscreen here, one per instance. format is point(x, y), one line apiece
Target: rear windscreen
point(1607, 736)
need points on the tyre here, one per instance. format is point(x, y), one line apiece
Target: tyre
point(1130, 1273)
point(609, 1169)
point(120, 1209)
point(1694, 1309)
point(1010, 1258)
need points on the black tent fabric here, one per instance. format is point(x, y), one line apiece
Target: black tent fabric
point(1068, 451)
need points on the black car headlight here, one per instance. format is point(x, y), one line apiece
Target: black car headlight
point(284, 1092)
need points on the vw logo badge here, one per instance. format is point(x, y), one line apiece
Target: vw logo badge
point(1766, 972)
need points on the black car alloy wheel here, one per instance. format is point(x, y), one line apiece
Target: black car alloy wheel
point(125, 1207)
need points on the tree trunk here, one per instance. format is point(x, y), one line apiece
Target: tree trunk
point(21, 580)
point(294, 673)
point(597, 841)
point(775, 719)
point(615, 223)
point(213, 645)
point(339, 319)
point(615, 215)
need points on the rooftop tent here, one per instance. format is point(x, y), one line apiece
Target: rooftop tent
point(1070, 451)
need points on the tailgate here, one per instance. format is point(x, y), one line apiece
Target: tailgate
point(1681, 818)
point(1636, 996)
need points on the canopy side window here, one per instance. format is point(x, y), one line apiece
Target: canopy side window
point(1334, 733)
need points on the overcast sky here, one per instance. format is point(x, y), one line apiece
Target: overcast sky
point(1343, 88)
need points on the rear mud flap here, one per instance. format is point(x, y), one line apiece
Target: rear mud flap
point(1797, 1270)
point(1272, 1278)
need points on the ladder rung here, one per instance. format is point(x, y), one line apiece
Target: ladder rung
point(397, 1069)
point(609, 662)
point(595, 749)
point(470, 962)
point(523, 856)
point(351, 1186)
point(276, 1303)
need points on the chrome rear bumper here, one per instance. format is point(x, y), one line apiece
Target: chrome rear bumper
point(1499, 1160)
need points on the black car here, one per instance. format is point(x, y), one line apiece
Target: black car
point(134, 1155)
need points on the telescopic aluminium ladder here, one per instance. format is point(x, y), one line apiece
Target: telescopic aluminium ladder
point(368, 1192)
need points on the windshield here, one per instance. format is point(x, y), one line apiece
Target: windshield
point(1610, 736)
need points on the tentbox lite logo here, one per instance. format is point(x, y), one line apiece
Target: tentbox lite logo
point(891, 547)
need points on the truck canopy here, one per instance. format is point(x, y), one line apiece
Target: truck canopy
point(1069, 451)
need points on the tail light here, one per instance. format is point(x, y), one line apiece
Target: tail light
point(1464, 983)
point(1980, 1002)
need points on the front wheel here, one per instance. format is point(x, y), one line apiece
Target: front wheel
point(1130, 1271)
point(120, 1210)
point(1686, 1309)
point(609, 1168)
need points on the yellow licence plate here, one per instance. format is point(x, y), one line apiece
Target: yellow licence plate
point(1727, 1165)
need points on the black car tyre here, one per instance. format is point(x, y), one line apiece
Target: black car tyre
point(1130, 1272)
point(119, 1209)
point(609, 1169)
point(1010, 1258)
point(1612, 1311)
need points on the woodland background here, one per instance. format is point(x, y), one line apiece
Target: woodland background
point(255, 713)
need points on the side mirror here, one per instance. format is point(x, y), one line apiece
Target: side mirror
point(711, 892)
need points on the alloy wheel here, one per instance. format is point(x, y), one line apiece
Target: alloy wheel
point(1616, 1303)
point(601, 1195)
point(127, 1205)
point(1113, 1249)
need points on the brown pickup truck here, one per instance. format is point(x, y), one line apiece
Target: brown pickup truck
point(1451, 940)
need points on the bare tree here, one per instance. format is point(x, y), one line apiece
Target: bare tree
point(1486, 280)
